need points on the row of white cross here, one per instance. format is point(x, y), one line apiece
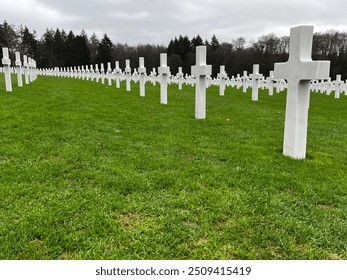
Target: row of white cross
point(28, 69)
point(222, 80)
point(299, 71)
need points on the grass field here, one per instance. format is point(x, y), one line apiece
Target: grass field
point(91, 172)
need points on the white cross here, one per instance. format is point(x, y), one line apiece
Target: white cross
point(200, 71)
point(163, 70)
point(19, 70)
point(142, 72)
point(255, 81)
point(180, 78)
point(91, 72)
point(298, 71)
point(97, 73)
point(338, 86)
point(118, 72)
point(154, 78)
point(6, 62)
point(127, 74)
point(244, 80)
point(222, 80)
point(271, 80)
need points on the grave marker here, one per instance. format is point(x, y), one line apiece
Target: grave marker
point(19, 70)
point(245, 81)
point(338, 86)
point(142, 73)
point(299, 70)
point(109, 73)
point(255, 76)
point(200, 71)
point(222, 80)
point(163, 70)
point(127, 74)
point(118, 72)
point(180, 78)
point(6, 62)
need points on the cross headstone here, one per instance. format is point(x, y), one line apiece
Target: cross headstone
point(222, 80)
point(19, 70)
point(338, 86)
point(109, 74)
point(154, 78)
point(298, 71)
point(92, 73)
point(31, 71)
point(26, 69)
point(244, 81)
point(255, 76)
point(271, 80)
point(200, 71)
point(180, 78)
point(83, 73)
point(6, 62)
point(127, 74)
point(97, 73)
point(163, 70)
point(102, 73)
point(118, 72)
point(142, 73)
point(79, 72)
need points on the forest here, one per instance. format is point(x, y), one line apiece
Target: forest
point(59, 48)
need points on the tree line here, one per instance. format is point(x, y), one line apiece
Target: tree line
point(58, 48)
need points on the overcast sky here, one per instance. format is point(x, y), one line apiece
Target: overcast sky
point(157, 21)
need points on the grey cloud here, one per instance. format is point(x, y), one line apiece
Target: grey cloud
point(158, 21)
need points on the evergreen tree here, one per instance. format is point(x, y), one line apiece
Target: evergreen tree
point(70, 54)
point(47, 49)
point(8, 36)
point(105, 49)
point(81, 49)
point(93, 44)
point(214, 43)
point(29, 45)
point(58, 49)
point(196, 41)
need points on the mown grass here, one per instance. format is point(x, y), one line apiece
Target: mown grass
point(91, 172)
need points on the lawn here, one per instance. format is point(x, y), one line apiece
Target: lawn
point(89, 171)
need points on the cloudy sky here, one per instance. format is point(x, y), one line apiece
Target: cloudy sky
point(157, 21)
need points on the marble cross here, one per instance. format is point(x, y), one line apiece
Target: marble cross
point(222, 80)
point(271, 80)
point(142, 73)
point(200, 71)
point(6, 62)
point(19, 70)
point(154, 78)
point(118, 72)
point(97, 73)
point(245, 81)
point(180, 78)
point(102, 73)
point(109, 74)
point(338, 86)
point(163, 70)
point(299, 70)
point(127, 74)
point(255, 76)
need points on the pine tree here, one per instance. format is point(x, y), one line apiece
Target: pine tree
point(196, 41)
point(81, 49)
point(105, 49)
point(29, 45)
point(214, 42)
point(93, 44)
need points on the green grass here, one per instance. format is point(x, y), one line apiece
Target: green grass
point(91, 172)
